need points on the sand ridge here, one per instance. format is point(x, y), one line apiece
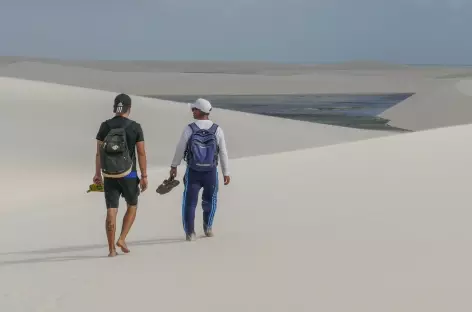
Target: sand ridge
point(209, 78)
point(447, 104)
point(436, 95)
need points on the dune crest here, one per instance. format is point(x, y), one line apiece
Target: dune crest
point(161, 78)
point(447, 104)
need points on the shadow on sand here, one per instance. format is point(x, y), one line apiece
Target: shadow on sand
point(79, 248)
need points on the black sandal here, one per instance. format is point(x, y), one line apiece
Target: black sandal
point(167, 186)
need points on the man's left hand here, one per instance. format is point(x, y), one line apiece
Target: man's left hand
point(97, 179)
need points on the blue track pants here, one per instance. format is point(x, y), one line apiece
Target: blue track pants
point(193, 182)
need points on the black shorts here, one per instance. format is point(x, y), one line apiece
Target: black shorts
point(126, 187)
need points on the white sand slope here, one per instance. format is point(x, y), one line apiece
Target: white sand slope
point(444, 105)
point(374, 225)
point(68, 119)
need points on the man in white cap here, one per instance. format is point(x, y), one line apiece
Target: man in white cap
point(202, 144)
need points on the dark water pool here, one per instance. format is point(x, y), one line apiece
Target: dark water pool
point(357, 111)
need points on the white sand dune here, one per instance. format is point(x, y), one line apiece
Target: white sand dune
point(205, 79)
point(209, 67)
point(437, 101)
point(447, 104)
point(373, 225)
point(68, 119)
point(240, 67)
point(322, 218)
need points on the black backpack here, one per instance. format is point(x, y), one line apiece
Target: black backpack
point(115, 157)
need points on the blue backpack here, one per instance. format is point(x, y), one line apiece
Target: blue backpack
point(202, 148)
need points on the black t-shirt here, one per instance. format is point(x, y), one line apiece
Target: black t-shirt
point(134, 134)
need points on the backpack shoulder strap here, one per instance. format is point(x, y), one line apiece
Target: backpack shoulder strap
point(213, 128)
point(194, 127)
point(128, 123)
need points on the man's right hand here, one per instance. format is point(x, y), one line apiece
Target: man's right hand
point(143, 183)
point(173, 172)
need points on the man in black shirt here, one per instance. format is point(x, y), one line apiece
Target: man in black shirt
point(128, 186)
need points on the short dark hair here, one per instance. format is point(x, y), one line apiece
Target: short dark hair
point(122, 103)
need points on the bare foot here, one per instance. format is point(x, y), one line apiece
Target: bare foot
point(112, 253)
point(122, 245)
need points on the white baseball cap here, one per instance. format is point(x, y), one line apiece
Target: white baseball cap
point(203, 105)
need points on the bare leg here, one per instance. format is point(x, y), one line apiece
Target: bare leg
point(110, 226)
point(128, 221)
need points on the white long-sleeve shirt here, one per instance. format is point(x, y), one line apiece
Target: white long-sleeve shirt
point(220, 137)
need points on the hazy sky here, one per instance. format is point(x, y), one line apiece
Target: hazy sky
point(402, 31)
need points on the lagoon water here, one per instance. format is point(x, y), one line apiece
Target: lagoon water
point(348, 110)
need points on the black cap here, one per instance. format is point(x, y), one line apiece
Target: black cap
point(122, 103)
